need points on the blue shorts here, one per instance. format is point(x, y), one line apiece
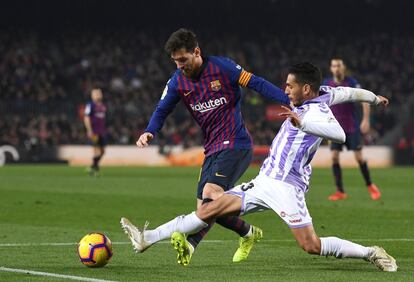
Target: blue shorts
point(224, 168)
point(100, 141)
point(352, 142)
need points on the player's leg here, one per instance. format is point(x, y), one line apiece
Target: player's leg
point(340, 248)
point(226, 168)
point(254, 234)
point(232, 163)
point(290, 204)
point(363, 166)
point(337, 172)
point(142, 239)
point(99, 151)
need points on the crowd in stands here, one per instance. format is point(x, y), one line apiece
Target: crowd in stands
point(46, 79)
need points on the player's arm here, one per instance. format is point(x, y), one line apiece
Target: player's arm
point(87, 120)
point(339, 95)
point(365, 124)
point(169, 100)
point(263, 87)
point(239, 76)
point(318, 120)
point(366, 110)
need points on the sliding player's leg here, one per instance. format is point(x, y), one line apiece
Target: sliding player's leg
point(289, 203)
point(340, 248)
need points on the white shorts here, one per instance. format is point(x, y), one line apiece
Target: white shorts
point(265, 193)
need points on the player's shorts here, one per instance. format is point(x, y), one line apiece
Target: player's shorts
point(265, 193)
point(352, 142)
point(224, 168)
point(98, 140)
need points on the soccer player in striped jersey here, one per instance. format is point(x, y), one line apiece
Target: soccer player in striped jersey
point(210, 88)
point(284, 176)
point(346, 114)
point(94, 120)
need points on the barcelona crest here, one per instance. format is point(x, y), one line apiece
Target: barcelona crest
point(215, 85)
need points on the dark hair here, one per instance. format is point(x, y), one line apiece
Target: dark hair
point(307, 73)
point(182, 38)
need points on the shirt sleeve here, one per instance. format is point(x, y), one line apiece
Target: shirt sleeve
point(230, 68)
point(266, 89)
point(319, 121)
point(169, 100)
point(338, 95)
point(246, 79)
point(88, 109)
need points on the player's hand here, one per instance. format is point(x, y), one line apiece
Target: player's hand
point(383, 101)
point(294, 118)
point(90, 134)
point(365, 126)
point(144, 139)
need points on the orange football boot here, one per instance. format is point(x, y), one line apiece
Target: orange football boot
point(374, 191)
point(338, 196)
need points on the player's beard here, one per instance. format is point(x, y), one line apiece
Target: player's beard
point(190, 73)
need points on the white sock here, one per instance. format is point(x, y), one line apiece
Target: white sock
point(333, 246)
point(188, 224)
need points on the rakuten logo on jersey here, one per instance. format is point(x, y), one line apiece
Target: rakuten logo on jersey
point(211, 104)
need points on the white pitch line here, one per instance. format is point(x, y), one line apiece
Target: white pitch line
point(204, 241)
point(49, 274)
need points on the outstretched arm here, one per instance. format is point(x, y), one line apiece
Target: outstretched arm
point(339, 95)
point(266, 89)
point(238, 76)
point(168, 101)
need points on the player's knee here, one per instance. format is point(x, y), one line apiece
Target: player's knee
point(212, 191)
point(207, 211)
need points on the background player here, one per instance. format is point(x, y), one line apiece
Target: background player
point(284, 176)
point(346, 114)
point(94, 121)
point(210, 89)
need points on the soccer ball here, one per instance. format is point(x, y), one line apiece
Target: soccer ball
point(95, 250)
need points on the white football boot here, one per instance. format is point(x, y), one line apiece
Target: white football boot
point(135, 235)
point(382, 260)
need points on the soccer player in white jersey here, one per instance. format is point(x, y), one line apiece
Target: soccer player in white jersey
point(284, 176)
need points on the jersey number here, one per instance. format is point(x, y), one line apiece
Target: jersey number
point(246, 187)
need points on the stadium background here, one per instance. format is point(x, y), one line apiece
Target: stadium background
point(54, 52)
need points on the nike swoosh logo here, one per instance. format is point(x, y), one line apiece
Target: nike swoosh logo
point(220, 175)
point(188, 93)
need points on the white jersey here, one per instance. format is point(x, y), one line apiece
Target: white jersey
point(293, 148)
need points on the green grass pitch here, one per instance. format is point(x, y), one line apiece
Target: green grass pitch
point(60, 204)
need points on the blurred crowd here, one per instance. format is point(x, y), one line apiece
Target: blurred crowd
point(45, 80)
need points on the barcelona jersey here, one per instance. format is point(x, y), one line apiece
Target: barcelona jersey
point(214, 99)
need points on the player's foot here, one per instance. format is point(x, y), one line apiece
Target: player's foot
point(184, 249)
point(246, 244)
point(382, 260)
point(338, 196)
point(135, 235)
point(93, 171)
point(374, 191)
